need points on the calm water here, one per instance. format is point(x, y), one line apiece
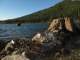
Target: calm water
point(25, 30)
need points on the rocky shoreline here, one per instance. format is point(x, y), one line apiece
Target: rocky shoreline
point(58, 41)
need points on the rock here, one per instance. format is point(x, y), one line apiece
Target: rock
point(2, 44)
point(21, 46)
point(9, 45)
point(68, 24)
point(12, 42)
point(59, 35)
point(77, 23)
point(53, 38)
point(15, 47)
point(15, 57)
point(55, 25)
point(38, 38)
point(61, 23)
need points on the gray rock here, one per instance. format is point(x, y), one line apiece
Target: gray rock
point(15, 57)
point(38, 38)
point(9, 45)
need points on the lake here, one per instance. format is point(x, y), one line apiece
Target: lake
point(10, 31)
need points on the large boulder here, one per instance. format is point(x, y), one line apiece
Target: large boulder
point(61, 23)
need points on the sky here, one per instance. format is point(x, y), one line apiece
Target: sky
point(10, 9)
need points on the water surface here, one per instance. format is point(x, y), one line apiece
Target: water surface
point(25, 30)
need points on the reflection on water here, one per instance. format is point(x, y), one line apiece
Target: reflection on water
point(25, 30)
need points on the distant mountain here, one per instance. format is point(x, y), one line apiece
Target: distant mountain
point(62, 9)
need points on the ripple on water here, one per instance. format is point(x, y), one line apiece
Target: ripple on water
point(25, 30)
